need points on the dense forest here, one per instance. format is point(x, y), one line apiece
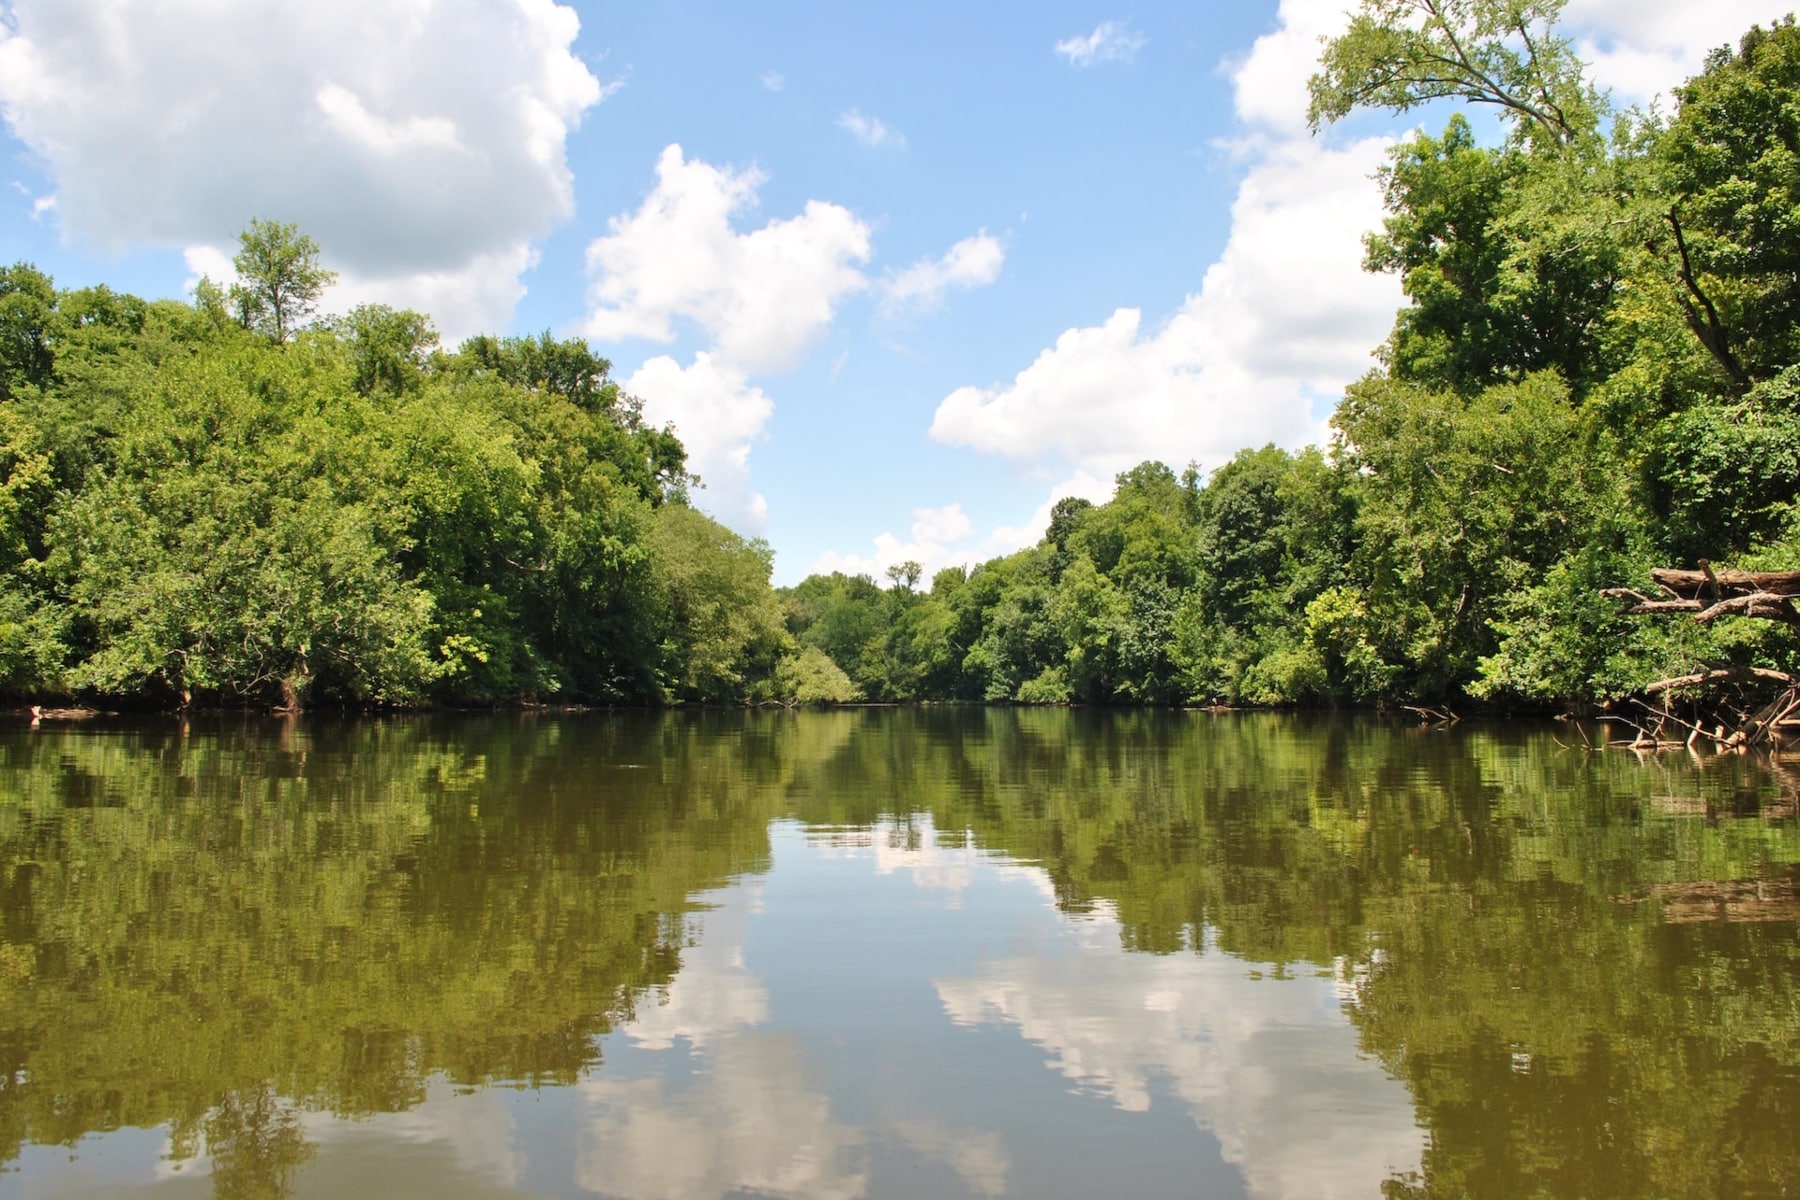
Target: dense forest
point(1597, 371)
point(223, 503)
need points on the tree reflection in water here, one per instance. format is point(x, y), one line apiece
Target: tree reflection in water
point(1583, 968)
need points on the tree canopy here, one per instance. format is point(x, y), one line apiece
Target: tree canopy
point(279, 279)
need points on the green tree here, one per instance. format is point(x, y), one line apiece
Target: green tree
point(279, 280)
point(1399, 54)
point(1512, 262)
point(27, 314)
point(724, 633)
point(810, 677)
point(1731, 162)
point(390, 347)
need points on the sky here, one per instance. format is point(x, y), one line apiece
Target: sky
point(900, 276)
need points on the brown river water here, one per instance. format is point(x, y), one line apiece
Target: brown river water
point(929, 952)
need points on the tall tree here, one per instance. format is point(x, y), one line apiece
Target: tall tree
point(1732, 162)
point(1398, 54)
point(279, 278)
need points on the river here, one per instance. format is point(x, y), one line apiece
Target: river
point(926, 952)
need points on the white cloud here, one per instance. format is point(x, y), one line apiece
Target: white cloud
point(1642, 48)
point(422, 144)
point(762, 296)
point(870, 131)
point(936, 535)
point(945, 537)
point(1285, 317)
point(973, 262)
point(1110, 42)
point(476, 297)
point(773, 80)
point(718, 415)
point(1269, 84)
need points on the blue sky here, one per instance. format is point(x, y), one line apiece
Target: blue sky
point(900, 275)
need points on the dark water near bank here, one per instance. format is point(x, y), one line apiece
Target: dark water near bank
point(891, 953)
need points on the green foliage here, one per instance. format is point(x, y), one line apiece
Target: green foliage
point(1051, 687)
point(810, 677)
point(199, 509)
point(27, 314)
point(279, 280)
point(1725, 474)
point(848, 618)
point(388, 346)
point(724, 626)
point(1512, 261)
point(1399, 54)
point(1731, 159)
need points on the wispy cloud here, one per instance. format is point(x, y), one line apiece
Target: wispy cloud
point(773, 80)
point(870, 131)
point(973, 262)
point(1110, 42)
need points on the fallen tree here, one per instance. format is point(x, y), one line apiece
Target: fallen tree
point(1734, 709)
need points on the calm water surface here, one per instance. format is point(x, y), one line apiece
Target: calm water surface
point(891, 953)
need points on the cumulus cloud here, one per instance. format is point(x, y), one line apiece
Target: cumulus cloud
point(973, 262)
point(1285, 317)
point(1111, 41)
point(1642, 48)
point(718, 415)
point(422, 144)
point(936, 535)
point(762, 296)
point(759, 297)
point(946, 537)
point(870, 131)
point(1269, 83)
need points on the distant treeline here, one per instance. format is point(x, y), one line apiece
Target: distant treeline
point(1595, 373)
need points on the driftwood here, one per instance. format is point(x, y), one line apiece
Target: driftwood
point(1706, 595)
point(1720, 675)
point(1685, 583)
point(1710, 594)
point(1438, 717)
